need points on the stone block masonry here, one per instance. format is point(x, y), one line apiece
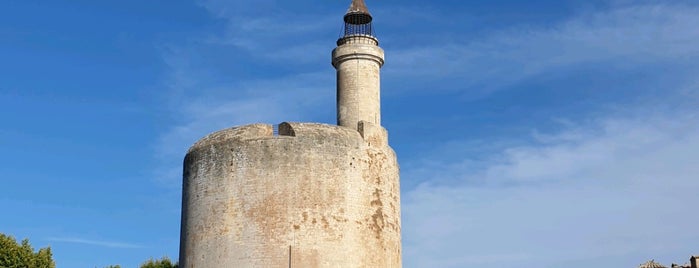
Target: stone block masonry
point(358, 61)
point(314, 196)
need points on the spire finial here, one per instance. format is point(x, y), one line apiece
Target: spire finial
point(358, 13)
point(358, 6)
point(358, 20)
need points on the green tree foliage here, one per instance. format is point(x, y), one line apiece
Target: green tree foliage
point(113, 266)
point(22, 255)
point(162, 263)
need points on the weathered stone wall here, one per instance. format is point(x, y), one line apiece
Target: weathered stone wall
point(358, 61)
point(313, 196)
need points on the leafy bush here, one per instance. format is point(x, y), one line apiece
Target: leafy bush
point(162, 263)
point(22, 255)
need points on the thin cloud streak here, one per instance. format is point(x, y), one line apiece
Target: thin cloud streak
point(101, 243)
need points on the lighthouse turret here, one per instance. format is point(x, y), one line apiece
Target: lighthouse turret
point(358, 60)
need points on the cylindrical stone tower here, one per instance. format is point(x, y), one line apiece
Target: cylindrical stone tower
point(313, 196)
point(358, 60)
point(306, 196)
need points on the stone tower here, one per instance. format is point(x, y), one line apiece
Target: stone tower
point(358, 59)
point(310, 195)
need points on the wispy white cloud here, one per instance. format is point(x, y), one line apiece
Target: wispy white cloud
point(273, 101)
point(611, 188)
point(203, 100)
point(101, 243)
point(623, 188)
point(289, 35)
point(627, 37)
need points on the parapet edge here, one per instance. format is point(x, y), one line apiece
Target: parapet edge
point(315, 131)
point(234, 133)
point(299, 129)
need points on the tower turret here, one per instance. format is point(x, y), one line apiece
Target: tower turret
point(358, 60)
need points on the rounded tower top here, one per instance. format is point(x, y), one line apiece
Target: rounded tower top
point(358, 20)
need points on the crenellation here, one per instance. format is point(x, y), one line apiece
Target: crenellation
point(285, 129)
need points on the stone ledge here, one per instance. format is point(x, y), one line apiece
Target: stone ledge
point(313, 133)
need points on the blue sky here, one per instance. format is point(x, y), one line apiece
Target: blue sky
point(529, 133)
